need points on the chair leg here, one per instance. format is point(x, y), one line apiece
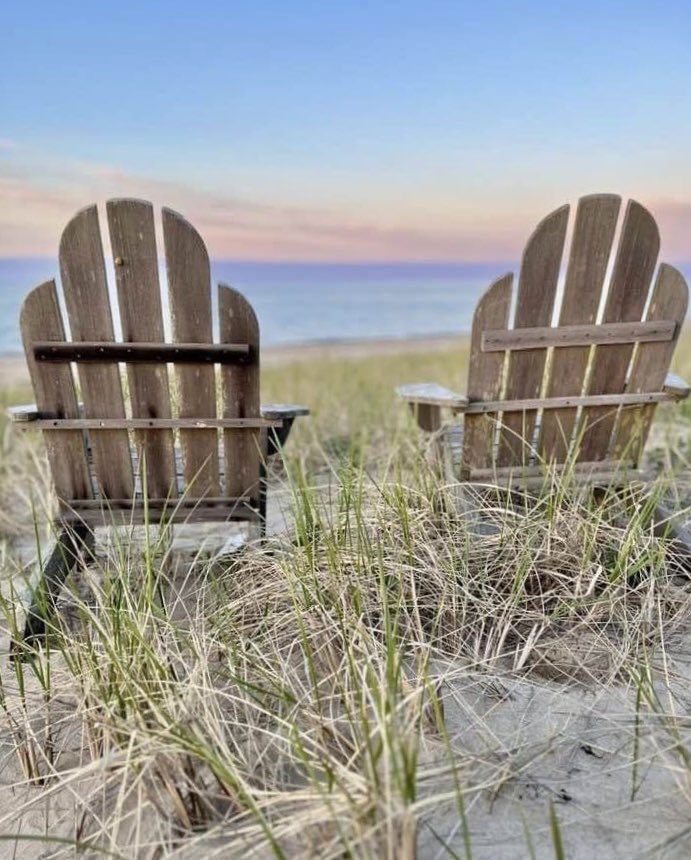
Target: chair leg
point(71, 542)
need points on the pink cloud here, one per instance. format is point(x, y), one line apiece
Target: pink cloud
point(35, 209)
point(674, 220)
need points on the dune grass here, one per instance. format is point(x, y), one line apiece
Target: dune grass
point(340, 690)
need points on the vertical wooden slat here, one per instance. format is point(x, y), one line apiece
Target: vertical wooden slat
point(133, 243)
point(485, 373)
point(650, 365)
point(596, 221)
point(534, 305)
point(628, 291)
point(53, 384)
point(189, 286)
point(83, 273)
point(240, 387)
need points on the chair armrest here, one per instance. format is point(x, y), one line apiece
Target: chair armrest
point(286, 413)
point(426, 400)
point(279, 411)
point(23, 414)
point(676, 386)
point(430, 394)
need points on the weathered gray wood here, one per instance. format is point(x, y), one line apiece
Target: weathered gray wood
point(240, 390)
point(534, 305)
point(676, 386)
point(23, 414)
point(596, 468)
point(156, 504)
point(628, 291)
point(148, 353)
point(485, 372)
point(670, 299)
point(280, 411)
point(593, 235)
point(55, 393)
point(577, 335)
point(427, 416)
point(133, 244)
point(229, 510)
point(107, 424)
point(588, 400)
point(189, 286)
point(615, 478)
point(432, 394)
point(84, 285)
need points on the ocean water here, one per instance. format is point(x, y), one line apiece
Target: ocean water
point(298, 302)
point(301, 302)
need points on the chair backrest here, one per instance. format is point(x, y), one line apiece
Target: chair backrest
point(89, 445)
point(585, 389)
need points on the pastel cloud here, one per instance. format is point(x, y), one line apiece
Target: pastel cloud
point(35, 209)
point(36, 205)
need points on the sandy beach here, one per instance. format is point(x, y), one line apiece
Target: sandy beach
point(564, 728)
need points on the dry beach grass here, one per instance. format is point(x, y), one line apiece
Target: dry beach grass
point(381, 680)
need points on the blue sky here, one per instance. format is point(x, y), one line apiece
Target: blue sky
point(300, 130)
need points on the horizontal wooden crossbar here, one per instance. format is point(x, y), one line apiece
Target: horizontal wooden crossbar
point(615, 478)
point(137, 353)
point(95, 512)
point(498, 340)
point(148, 423)
point(155, 504)
point(539, 471)
point(566, 402)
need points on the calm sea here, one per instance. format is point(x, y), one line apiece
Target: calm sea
point(298, 302)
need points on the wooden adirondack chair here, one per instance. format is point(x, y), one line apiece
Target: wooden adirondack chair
point(579, 395)
point(129, 452)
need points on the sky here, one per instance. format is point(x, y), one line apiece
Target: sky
point(361, 131)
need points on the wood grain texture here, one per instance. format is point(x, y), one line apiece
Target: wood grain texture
point(55, 393)
point(83, 274)
point(534, 306)
point(219, 510)
point(675, 385)
point(142, 353)
point(627, 399)
point(559, 469)
point(240, 392)
point(197, 424)
point(591, 247)
point(628, 291)
point(566, 336)
point(485, 372)
point(432, 394)
point(133, 244)
point(189, 286)
point(651, 362)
